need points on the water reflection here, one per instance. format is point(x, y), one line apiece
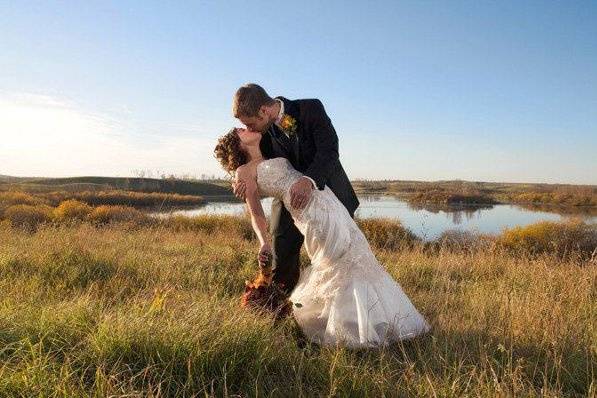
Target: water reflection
point(456, 212)
point(426, 221)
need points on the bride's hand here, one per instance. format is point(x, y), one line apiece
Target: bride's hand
point(265, 253)
point(300, 193)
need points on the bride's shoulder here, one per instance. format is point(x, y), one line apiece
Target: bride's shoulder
point(279, 159)
point(245, 171)
point(276, 163)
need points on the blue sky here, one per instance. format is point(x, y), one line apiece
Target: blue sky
point(486, 91)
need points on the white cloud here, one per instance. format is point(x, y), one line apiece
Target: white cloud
point(43, 135)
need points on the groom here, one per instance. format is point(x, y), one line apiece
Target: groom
point(301, 132)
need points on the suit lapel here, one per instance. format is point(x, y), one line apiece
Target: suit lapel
point(280, 138)
point(291, 109)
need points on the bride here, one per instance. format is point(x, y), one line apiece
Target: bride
point(345, 296)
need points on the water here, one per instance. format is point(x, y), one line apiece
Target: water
point(427, 222)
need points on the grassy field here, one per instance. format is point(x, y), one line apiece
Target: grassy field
point(152, 309)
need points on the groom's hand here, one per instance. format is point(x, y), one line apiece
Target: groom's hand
point(300, 193)
point(240, 189)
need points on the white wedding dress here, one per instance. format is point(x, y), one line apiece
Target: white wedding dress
point(345, 296)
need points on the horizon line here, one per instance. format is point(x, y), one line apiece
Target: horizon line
point(351, 180)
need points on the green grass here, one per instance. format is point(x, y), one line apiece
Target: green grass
point(153, 310)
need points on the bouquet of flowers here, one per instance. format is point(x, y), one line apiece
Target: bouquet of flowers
point(265, 295)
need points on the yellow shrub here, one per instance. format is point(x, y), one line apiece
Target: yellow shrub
point(17, 198)
point(386, 234)
point(112, 214)
point(11, 198)
point(27, 216)
point(72, 210)
point(560, 238)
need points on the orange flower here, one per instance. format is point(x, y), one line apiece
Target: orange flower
point(288, 124)
point(264, 295)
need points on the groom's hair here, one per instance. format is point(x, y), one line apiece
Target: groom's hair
point(249, 99)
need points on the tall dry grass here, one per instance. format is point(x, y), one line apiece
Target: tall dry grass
point(152, 310)
point(8, 199)
point(387, 234)
point(27, 216)
point(556, 238)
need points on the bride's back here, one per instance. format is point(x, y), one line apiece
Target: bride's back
point(275, 177)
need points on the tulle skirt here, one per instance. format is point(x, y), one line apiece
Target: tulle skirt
point(358, 314)
point(345, 296)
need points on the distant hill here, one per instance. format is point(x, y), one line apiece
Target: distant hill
point(8, 179)
point(183, 187)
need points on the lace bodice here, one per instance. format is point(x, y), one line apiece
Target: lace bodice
point(275, 177)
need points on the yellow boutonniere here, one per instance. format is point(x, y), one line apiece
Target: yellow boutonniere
point(288, 124)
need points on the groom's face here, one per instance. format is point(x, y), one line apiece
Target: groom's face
point(261, 122)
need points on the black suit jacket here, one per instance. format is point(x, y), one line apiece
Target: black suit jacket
point(314, 152)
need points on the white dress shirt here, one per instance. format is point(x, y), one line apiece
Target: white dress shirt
point(279, 118)
point(277, 122)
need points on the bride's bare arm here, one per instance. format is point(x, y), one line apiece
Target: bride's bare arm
point(252, 199)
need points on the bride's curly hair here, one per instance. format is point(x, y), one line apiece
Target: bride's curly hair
point(229, 152)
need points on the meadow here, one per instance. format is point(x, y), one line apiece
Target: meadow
point(564, 196)
point(128, 305)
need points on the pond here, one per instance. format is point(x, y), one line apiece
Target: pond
point(427, 222)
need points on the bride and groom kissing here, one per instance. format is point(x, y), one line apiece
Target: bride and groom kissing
point(289, 151)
